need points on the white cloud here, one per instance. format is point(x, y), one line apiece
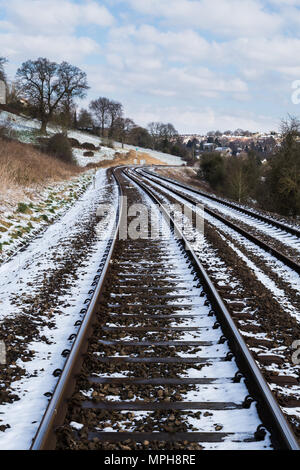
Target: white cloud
point(262, 55)
point(202, 119)
point(283, 3)
point(47, 28)
point(168, 63)
point(51, 17)
point(178, 58)
point(229, 17)
point(93, 13)
point(22, 47)
point(147, 47)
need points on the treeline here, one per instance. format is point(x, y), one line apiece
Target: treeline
point(49, 92)
point(273, 186)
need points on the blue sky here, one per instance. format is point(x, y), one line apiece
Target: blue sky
point(200, 64)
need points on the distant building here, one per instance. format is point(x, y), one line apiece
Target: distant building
point(2, 92)
point(209, 147)
point(225, 151)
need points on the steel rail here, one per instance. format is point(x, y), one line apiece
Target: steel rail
point(268, 407)
point(269, 249)
point(263, 218)
point(55, 413)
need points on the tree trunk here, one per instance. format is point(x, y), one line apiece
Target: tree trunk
point(44, 126)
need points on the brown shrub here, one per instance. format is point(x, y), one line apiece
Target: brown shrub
point(60, 147)
point(88, 154)
point(90, 166)
point(22, 165)
point(42, 143)
point(88, 146)
point(74, 142)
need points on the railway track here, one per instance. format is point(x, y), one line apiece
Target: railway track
point(158, 362)
point(242, 210)
point(168, 185)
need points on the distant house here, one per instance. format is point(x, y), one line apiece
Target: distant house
point(208, 147)
point(2, 92)
point(224, 151)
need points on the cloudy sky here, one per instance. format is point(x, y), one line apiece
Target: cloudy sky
point(200, 64)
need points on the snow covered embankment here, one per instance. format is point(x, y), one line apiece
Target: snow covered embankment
point(28, 129)
point(41, 294)
point(23, 217)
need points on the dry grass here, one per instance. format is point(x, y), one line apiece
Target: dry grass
point(21, 166)
point(185, 174)
point(126, 159)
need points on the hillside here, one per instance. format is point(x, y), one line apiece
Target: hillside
point(26, 130)
point(36, 188)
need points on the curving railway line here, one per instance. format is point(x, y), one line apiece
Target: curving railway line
point(253, 215)
point(158, 362)
point(281, 240)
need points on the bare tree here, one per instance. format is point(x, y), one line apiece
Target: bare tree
point(154, 129)
point(71, 79)
point(85, 119)
point(140, 137)
point(101, 110)
point(162, 134)
point(290, 127)
point(115, 112)
point(46, 84)
point(237, 178)
point(284, 176)
point(168, 131)
point(122, 128)
point(64, 114)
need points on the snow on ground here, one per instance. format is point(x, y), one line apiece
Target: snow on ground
point(102, 153)
point(205, 251)
point(24, 126)
point(19, 278)
point(99, 156)
point(243, 420)
point(287, 274)
point(163, 157)
point(265, 228)
point(21, 221)
point(28, 129)
point(191, 172)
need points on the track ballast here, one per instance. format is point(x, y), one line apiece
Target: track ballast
point(164, 367)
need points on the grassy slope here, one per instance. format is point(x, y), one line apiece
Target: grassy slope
point(34, 189)
point(22, 166)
